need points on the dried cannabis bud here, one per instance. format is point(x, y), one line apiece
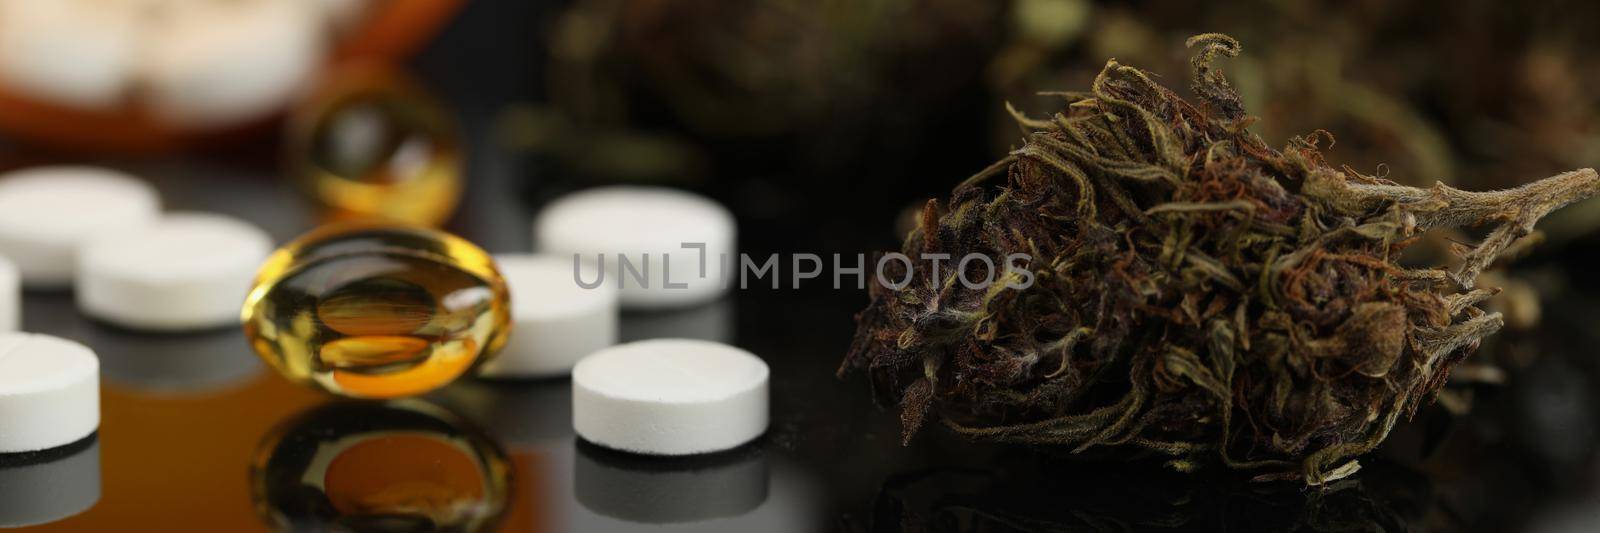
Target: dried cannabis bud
point(1196, 293)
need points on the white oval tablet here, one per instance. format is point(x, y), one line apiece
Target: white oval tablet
point(670, 397)
point(216, 63)
point(49, 392)
point(658, 231)
point(46, 213)
point(184, 271)
point(556, 321)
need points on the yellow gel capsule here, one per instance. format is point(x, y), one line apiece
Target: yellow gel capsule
point(377, 310)
point(369, 144)
point(398, 466)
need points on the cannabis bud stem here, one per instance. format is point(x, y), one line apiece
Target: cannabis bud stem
point(1516, 210)
point(1198, 294)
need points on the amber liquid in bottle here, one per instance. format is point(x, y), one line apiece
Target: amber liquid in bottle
point(372, 310)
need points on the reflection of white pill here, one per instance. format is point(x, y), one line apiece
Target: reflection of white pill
point(557, 321)
point(69, 52)
point(648, 490)
point(50, 489)
point(49, 392)
point(658, 234)
point(670, 397)
point(221, 62)
point(10, 296)
point(46, 213)
point(184, 271)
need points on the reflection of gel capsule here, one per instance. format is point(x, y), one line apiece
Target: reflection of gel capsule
point(399, 466)
point(373, 310)
point(369, 144)
point(42, 487)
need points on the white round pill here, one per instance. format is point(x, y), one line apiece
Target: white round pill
point(47, 213)
point(663, 248)
point(556, 320)
point(184, 271)
point(10, 296)
point(49, 392)
point(670, 397)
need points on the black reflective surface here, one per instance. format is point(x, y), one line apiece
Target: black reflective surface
point(184, 415)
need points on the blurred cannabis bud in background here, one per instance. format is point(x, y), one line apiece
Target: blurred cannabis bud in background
point(650, 90)
point(1477, 93)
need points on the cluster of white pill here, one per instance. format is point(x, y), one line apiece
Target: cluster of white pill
point(644, 249)
point(193, 63)
point(604, 250)
point(102, 233)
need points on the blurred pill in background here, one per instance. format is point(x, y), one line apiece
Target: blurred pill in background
point(135, 76)
point(663, 248)
point(215, 63)
point(47, 213)
point(70, 52)
point(185, 271)
point(370, 143)
point(555, 321)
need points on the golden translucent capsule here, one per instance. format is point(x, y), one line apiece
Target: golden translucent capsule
point(405, 465)
point(369, 144)
point(377, 310)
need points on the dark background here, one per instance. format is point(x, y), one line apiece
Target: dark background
point(1524, 458)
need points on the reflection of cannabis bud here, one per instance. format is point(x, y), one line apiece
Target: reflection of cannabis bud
point(1198, 294)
